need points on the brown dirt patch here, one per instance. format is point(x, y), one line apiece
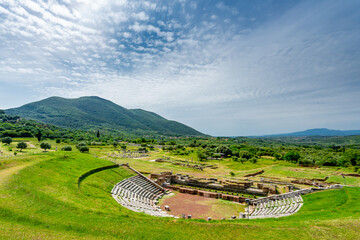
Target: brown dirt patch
point(200, 207)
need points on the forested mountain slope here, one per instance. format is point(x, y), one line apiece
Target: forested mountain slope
point(96, 113)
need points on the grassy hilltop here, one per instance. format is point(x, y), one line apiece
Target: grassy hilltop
point(40, 199)
point(89, 113)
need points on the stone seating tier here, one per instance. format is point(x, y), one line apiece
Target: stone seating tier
point(140, 195)
point(276, 207)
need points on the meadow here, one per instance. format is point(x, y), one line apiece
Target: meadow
point(40, 199)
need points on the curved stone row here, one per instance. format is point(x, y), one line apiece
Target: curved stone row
point(139, 195)
point(279, 207)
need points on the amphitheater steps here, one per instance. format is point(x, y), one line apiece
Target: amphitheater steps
point(277, 206)
point(139, 195)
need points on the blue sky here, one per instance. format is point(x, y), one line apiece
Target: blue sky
point(223, 67)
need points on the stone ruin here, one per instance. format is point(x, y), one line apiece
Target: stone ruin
point(204, 193)
point(190, 163)
point(245, 187)
point(129, 154)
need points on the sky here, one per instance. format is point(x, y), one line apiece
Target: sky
point(225, 68)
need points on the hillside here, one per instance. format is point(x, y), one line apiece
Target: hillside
point(14, 126)
point(90, 113)
point(32, 207)
point(317, 132)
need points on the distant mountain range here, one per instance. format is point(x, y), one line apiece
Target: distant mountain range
point(90, 113)
point(317, 132)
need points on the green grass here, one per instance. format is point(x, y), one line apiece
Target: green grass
point(279, 169)
point(42, 201)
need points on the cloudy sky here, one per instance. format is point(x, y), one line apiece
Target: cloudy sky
point(226, 68)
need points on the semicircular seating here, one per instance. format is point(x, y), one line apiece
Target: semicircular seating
point(276, 206)
point(139, 194)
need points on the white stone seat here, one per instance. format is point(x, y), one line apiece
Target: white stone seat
point(140, 195)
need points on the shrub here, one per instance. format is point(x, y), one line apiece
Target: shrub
point(242, 160)
point(67, 148)
point(254, 160)
point(232, 174)
point(80, 144)
point(142, 149)
point(278, 156)
point(83, 149)
point(58, 140)
point(307, 162)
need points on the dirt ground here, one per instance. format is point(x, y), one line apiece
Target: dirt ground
point(200, 207)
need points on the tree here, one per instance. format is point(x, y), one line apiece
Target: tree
point(115, 144)
point(45, 146)
point(292, 156)
point(21, 146)
point(245, 154)
point(2, 112)
point(201, 156)
point(39, 135)
point(224, 149)
point(353, 157)
point(98, 134)
point(6, 140)
point(277, 156)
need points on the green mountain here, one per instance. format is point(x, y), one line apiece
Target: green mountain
point(89, 113)
point(318, 132)
point(14, 126)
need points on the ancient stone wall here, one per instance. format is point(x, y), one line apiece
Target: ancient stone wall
point(203, 193)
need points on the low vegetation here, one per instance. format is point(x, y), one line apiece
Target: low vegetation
point(43, 201)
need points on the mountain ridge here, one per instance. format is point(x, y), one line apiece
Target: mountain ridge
point(93, 112)
point(315, 132)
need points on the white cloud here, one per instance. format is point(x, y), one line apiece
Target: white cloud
point(241, 77)
point(113, 41)
point(140, 16)
point(61, 10)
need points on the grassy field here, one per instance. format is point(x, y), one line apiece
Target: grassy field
point(40, 199)
point(282, 170)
